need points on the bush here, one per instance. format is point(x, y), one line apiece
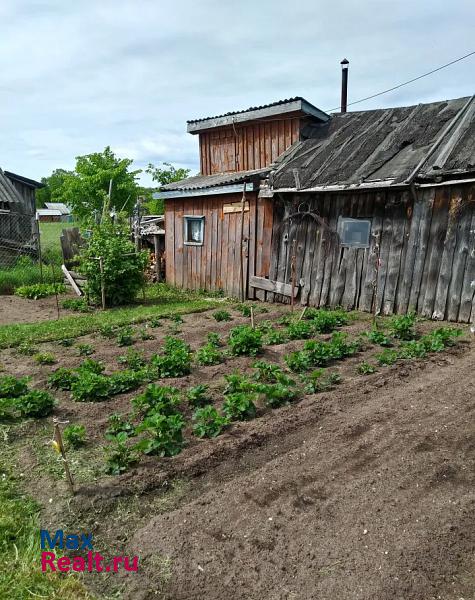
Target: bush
point(244, 340)
point(108, 331)
point(175, 360)
point(403, 327)
point(379, 337)
point(277, 394)
point(125, 337)
point(76, 304)
point(123, 267)
point(222, 315)
point(326, 321)
point(134, 359)
point(235, 382)
point(208, 422)
point(157, 398)
point(299, 330)
point(209, 355)
point(90, 387)
point(271, 373)
point(119, 456)
point(91, 365)
point(318, 381)
point(116, 425)
point(85, 349)
point(244, 309)
point(240, 406)
point(63, 378)
point(165, 434)
point(214, 339)
point(13, 387)
point(35, 403)
point(319, 354)
point(198, 395)
point(40, 290)
point(274, 337)
point(45, 358)
point(127, 380)
point(75, 435)
point(387, 357)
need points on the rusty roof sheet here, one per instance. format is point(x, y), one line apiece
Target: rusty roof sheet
point(384, 145)
point(207, 181)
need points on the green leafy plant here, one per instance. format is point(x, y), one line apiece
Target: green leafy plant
point(66, 343)
point(26, 349)
point(77, 305)
point(85, 349)
point(40, 290)
point(299, 330)
point(178, 319)
point(377, 336)
point(271, 373)
point(35, 403)
point(119, 455)
point(155, 321)
point(236, 382)
point(197, 396)
point(63, 378)
point(175, 361)
point(108, 331)
point(240, 406)
point(244, 340)
point(208, 422)
point(326, 321)
point(214, 339)
point(123, 267)
point(164, 434)
point(403, 326)
point(222, 315)
point(244, 309)
point(75, 435)
point(277, 394)
point(125, 337)
point(117, 424)
point(134, 359)
point(387, 357)
point(209, 355)
point(13, 387)
point(126, 381)
point(90, 387)
point(91, 365)
point(319, 353)
point(157, 398)
point(274, 337)
point(145, 335)
point(45, 358)
point(366, 368)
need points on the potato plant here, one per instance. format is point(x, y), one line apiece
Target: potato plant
point(240, 406)
point(198, 395)
point(75, 435)
point(208, 422)
point(175, 361)
point(244, 340)
point(163, 434)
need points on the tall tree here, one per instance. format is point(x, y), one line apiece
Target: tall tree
point(163, 175)
point(52, 187)
point(86, 190)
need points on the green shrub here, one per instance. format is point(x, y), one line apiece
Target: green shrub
point(222, 315)
point(271, 373)
point(66, 342)
point(175, 360)
point(440, 338)
point(214, 339)
point(265, 326)
point(77, 305)
point(85, 349)
point(157, 398)
point(198, 395)
point(91, 365)
point(240, 406)
point(412, 349)
point(177, 319)
point(208, 422)
point(13, 387)
point(366, 368)
point(35, 403)
point(298, 361)
point(90, 387)
point(319, 381)
point(235, 382)
point(123, 266)
point(209, 355)
point(75, 435)
point(244, 340)
point(326, 321)
point(116, 424)
point(165, 434)
point(40, 290)
point(403, 326)
point(387, 357)
point(63, 378)
point(277, 394)
point(119, 456)
point(134, 359)
point(126, 381)
point(108, 331)
point(299, 330)
point(45, 358)
point(244, 309)
point(274, 337)
point(379, 337)
point(155, 321)
point(125, 337)
point(319, 354)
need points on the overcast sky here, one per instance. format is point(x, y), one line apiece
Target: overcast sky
point(77, 76)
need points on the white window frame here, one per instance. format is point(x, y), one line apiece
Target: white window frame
point(342, 221)
point(187, 218)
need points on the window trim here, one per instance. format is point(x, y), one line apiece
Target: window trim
point(341, 220)
point(185, 222)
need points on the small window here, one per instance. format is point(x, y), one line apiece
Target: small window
point(194, 230)
point(354, 232)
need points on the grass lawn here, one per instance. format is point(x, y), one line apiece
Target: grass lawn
point(50, 245)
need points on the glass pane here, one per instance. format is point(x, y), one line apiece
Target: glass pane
point(354, 232)
point(194, 230)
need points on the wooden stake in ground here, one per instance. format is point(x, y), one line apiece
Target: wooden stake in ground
point(103, 284)
point(303, 313)
point(57, 438)
point(292, 276)
point(252, 317)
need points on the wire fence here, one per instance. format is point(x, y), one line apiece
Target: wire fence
point(19, 238)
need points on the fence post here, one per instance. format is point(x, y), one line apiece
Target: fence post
point(38, 247)
point(103, 284)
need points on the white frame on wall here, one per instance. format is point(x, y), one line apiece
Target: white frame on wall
point(340, 226)
point(186, 219)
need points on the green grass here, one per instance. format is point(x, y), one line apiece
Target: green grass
point(20, 570)
point(50, 244)
point(78, 325)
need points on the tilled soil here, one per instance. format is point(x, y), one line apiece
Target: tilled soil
point(363, 492)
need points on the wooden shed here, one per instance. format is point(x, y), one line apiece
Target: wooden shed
point(373, 210)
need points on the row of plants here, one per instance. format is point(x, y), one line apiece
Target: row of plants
point(17, 400)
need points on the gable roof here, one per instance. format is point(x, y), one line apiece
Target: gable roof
point(281, 107)
point(388, 146)
point(24, 180)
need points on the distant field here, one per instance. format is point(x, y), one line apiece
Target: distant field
point(50, 234)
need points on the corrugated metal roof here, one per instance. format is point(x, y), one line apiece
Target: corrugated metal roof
point(384, 145)
point(237, 112)
point(7, 192)
point(64, 210)
point(207, 181)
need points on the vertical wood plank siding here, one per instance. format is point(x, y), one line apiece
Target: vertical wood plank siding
point(247, 147)
point(421, 255)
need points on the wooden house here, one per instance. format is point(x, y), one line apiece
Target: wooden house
point(373, 210)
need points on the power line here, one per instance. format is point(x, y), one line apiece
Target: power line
point(406, 82)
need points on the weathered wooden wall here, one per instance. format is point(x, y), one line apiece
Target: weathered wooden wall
point(216, 264)
point(247, 147)
point(28, 194)
point(421, 255)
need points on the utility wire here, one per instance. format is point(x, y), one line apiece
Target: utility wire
point(406, 82)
